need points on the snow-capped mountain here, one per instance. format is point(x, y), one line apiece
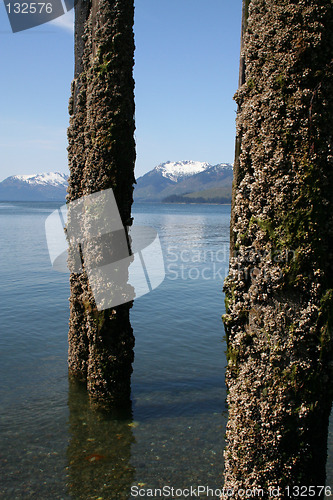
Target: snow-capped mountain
point(176, 171)
point(185, 178)
point(50, 179)
point(180, 169)
point(185, 181)
point(51, 186)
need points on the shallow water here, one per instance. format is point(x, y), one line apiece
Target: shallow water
point(53, 445)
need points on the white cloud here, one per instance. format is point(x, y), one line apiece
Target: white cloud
point(65, 22)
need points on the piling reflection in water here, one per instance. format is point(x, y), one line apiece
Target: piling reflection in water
point(99, 450)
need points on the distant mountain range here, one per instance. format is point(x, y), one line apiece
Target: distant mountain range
point(186, 182)
point(50, 186)
point(179, 182)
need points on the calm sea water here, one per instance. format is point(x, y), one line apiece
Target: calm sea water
point(53, 445)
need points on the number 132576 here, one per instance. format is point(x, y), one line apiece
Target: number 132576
point(29, 8)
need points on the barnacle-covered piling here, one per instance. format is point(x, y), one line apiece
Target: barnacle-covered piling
point(101, 156)
point(279, 292)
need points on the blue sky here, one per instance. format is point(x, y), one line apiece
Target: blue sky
point(186, 72)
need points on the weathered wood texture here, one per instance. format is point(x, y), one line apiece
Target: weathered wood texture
point(101, 156)
point(279, 291)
